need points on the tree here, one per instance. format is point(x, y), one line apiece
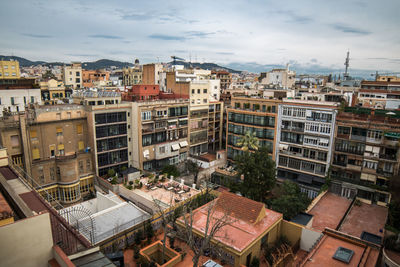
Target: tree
point(212, 228)
point(194, 169)
point(48, 75)
point(291, 200)
point(258, 171)
point(248, 141)
point(171, 170)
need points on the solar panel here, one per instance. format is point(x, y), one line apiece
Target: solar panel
point(343, 254)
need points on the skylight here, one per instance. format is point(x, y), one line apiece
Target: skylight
point(343, 254)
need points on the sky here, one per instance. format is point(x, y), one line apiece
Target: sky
point(232, 33)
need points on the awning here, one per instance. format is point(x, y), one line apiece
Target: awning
point(172, 121)
point(303, 178)
point(393, 135)
point(368, 148)
point(146, 153)
point(283, 147)
point(183, 119)
point(183, 143)
point(375, 149)
point(175, 147)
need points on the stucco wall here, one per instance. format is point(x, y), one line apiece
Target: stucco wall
point(308, 238)
point(27, 242)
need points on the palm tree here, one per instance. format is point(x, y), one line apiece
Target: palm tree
point(248, 141)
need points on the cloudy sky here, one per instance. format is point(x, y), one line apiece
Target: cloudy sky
point(307, 33)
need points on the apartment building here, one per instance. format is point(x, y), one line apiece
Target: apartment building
point(51, 143)
point(205, 121)
point(16, 94)
point(161, 135)
point(255, 115)
point(9, 69)
point(151, 73)
point(72, 75)
point(225, 78)
point(305, 135)
point(91, 78)
point(132, 75)
point(109, 127)
point(378, 98)
point(366, 154)
point(283, 78)
point(53, 90)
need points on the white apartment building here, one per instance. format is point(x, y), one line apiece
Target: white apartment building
point(284, 78)
point(305, 136)
point(15, 100)
point(72, 75)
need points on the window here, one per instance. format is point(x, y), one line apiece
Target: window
point(32, 99)
point(33, 134)
point(162, 150)
point(198, 91)
point(0, 97)
point(35, 153)
point(52, 150)
point(193, 91)
point(79, 129)
point(205, 100)
point(81, 146)
point(81, 166)
point(41, 175)
point(61, 149)
point(25, 100)
point(52, 174)
point(78, 73)
point(146, 115)
point(88, 165)
point(12, 100)
point(14, 141)
point(59, 131)
point(204, 91)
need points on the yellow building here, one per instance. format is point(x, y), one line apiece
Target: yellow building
point(132, 76)
point(52, 90)
point(9, 69)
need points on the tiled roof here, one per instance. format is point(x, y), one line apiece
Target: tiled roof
point(239, 207)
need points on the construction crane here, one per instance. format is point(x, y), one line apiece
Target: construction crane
point(176, 58)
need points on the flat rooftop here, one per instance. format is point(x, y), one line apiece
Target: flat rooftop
point(366, 217)
point(329, 211)
point(168, 192)
point(322, 254)
point(110, 215)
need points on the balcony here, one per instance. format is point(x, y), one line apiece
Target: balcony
point(292, 128)
point(358, 138)
point(384, 173)
point(392, 157)
point(391, 143)
point(66, 157)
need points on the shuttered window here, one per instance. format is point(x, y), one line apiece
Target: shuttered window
point(35, 153)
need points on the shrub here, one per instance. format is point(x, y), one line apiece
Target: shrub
point(111, 172)
point(130, 182)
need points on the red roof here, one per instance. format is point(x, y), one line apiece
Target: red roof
point(239, 207)
point(238, 233)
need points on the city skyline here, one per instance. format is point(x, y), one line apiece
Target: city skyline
point(238, 33)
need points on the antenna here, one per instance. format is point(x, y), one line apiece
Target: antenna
point(346, 63)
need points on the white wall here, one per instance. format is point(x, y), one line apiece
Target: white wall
point(18, 94)
point(27, 242)
point(308, 238)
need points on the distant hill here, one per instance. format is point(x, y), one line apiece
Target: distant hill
point(106, 63)
point(206, 66)
point(99, 64)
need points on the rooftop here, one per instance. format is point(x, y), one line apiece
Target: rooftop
point(358, 253)
point(239, 232)
point(5, 209)
point(365, 218)
point(166, 192)
point(108, 214)
point(329, 211)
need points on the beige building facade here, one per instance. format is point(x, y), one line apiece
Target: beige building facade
point(72, 75)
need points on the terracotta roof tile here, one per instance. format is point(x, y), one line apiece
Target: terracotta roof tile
point(239, 207)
